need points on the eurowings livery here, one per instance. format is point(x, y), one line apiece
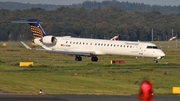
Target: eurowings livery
point(90, 47)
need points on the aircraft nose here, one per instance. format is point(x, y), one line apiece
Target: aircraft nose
point(162, 54)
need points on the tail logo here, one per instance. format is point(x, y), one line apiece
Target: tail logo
point(37, 32)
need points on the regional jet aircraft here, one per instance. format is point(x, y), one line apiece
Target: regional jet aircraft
point(90, 47)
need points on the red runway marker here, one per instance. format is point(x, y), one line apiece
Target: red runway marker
point(146, 93)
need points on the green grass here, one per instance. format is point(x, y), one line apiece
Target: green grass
point(54, 73)
point(87, 81)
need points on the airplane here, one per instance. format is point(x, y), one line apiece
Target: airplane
point(89, 47)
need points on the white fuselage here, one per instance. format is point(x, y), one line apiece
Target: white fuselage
point(108, 47)
point(89, 47)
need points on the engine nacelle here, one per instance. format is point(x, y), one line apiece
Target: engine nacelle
point(49, 40)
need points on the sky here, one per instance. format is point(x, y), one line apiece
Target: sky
point(68, 2)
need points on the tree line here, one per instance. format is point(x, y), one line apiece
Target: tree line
point(126, 6)
point(101, 23)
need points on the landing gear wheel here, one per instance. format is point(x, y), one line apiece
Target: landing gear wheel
point(78, 58)
point(94, 59)
point(155, 60)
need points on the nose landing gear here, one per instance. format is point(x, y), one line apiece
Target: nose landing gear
point(155, 60)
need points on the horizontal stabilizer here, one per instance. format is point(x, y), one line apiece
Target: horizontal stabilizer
point(35, 27)
point(24, 21)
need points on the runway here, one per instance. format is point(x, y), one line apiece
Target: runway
point(64, 97)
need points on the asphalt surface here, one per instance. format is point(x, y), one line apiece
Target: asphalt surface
point(81, 98)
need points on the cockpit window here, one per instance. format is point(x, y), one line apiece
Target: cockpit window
point(152, 47)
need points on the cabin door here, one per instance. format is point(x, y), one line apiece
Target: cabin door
point(141, 50)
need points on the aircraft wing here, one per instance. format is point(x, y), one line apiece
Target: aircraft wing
point(70, 52)
point(27, 47)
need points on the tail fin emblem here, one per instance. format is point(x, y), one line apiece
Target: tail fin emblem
point(37, 32)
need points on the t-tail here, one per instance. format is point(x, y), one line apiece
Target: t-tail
point(35, 27)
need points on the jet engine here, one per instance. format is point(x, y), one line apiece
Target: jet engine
point(49, 40)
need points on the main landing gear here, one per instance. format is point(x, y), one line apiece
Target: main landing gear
point(93, 58)
point(78, 58)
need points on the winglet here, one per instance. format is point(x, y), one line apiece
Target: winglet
point(26, 45)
